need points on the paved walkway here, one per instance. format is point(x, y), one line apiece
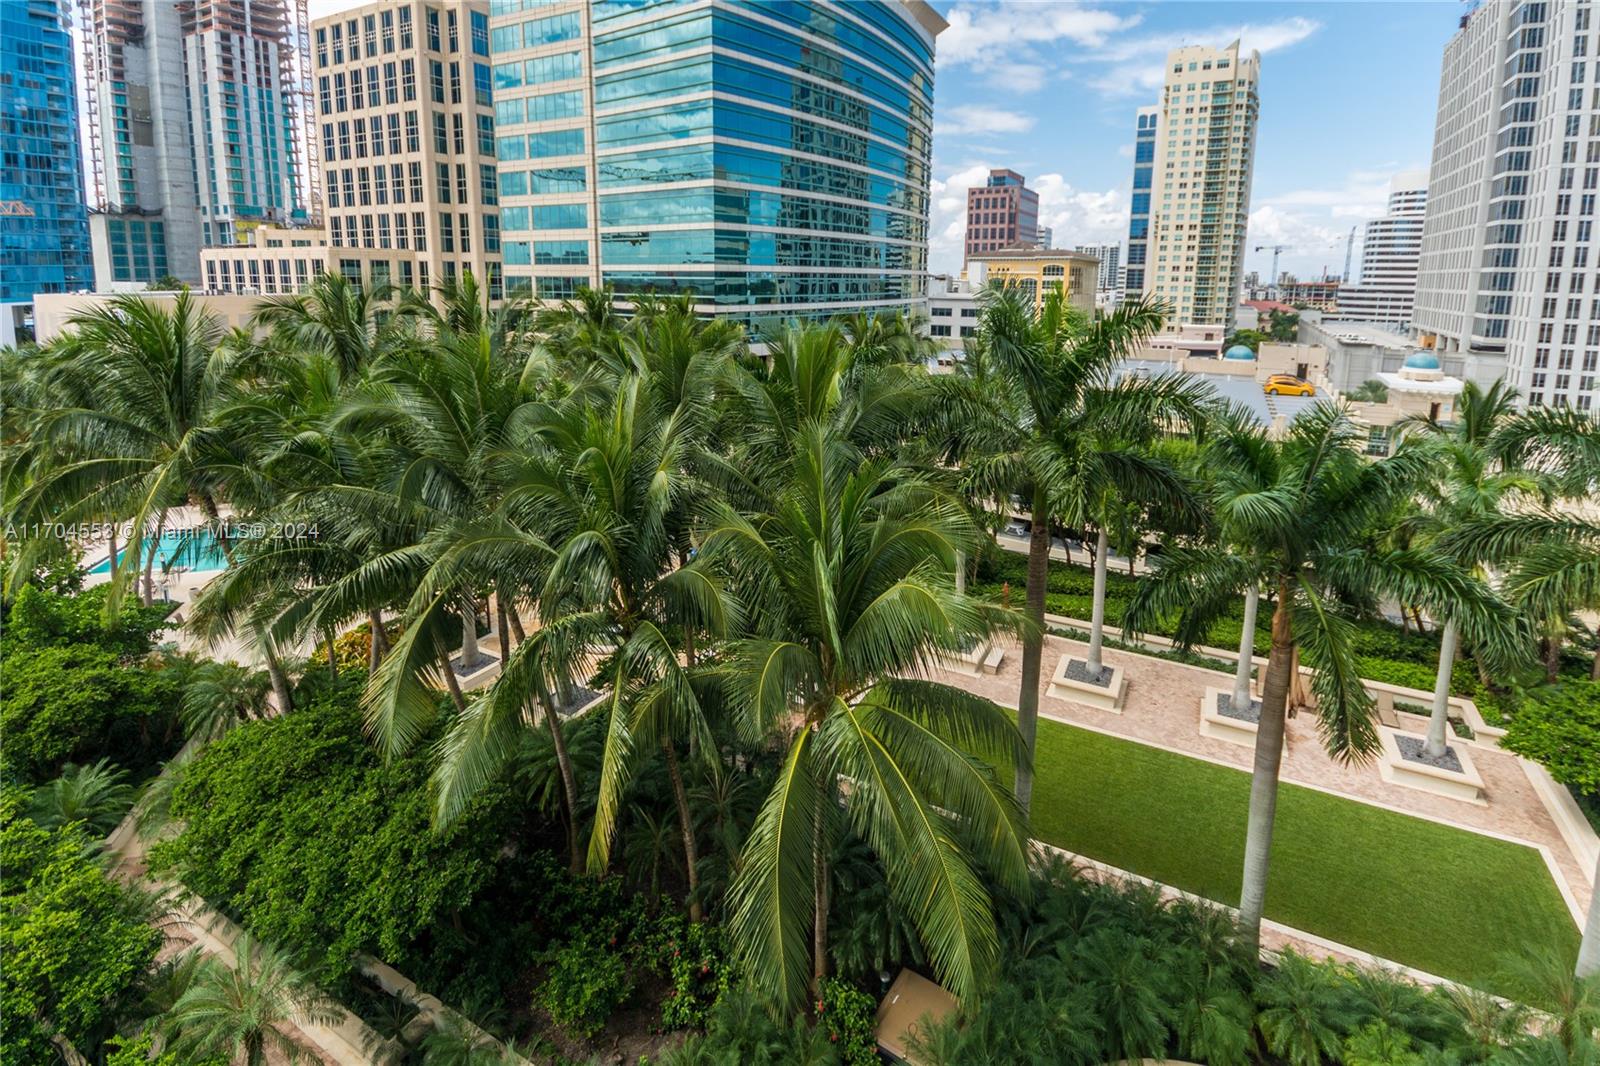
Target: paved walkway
point(1162, 709)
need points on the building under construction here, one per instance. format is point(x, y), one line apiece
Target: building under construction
point(195, 120)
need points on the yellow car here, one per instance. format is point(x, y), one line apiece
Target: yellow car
point(1288, 385)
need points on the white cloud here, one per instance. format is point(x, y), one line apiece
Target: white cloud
point(976, 118)
point(1077, 216)
point(1313, 224)
point(1138, 63)
point(982, 34)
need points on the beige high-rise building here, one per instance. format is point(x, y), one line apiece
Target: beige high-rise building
point(1200, 189)
point(404, 131)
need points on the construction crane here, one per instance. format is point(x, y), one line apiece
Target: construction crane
point(1277, 250)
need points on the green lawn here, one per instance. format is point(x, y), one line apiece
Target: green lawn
point(1443, 900)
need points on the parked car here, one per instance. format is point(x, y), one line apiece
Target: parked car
point(1288, 385)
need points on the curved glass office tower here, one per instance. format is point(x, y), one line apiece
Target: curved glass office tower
point(771, 157)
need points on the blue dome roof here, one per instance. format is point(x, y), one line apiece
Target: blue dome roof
point(1422, 361)
point(1238, 351)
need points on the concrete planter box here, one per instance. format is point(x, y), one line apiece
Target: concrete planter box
point(985, 658)
point(1107, 697)
point(1218, 726)
point(1396, 769)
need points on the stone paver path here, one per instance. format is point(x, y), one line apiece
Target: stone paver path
point(1163, 709)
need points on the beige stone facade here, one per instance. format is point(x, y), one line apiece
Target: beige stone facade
point(52, 311)
point(1039, 271)
point(1200, 189)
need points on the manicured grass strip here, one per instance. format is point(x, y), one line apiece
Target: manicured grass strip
point(1444, 900)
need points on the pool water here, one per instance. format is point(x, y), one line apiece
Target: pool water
point(179, 550)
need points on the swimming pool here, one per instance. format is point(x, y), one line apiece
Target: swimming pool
point(179, 550)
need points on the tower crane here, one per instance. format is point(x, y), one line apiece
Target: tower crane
point(1277, 250)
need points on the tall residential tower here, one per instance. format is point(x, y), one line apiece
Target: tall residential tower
point(1001, 213)
point(193, 123)
point(771, 158)
point(1508, 269)
point(44, 235)
point(1389, 253)
point(1200, 188)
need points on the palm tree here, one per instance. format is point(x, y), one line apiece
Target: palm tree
point(238, 1011)
point(1041, 414)
point(1306, 503)
point(1471, 484)
point(150, 438)
point(352, 325)
point(845, 577)
point(220, 696)
point(97, 795)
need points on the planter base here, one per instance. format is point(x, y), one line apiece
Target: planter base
point(1107, 696)
point(982, 659)
point(1395, 768)
point(1219, 726)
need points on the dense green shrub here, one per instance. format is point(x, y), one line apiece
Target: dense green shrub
point(695, 959)
point(850, 1017)
point(296, 825)
point(586, 982)
point(1559, 726)
point(75, 943)
point(80, 703)
point(42, 619)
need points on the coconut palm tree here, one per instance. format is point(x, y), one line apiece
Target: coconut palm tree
point(352, 325)
point(238, 1011)
point(150, 440)
point(1471, 483)
point(845, 580)
point(97, 795)
point(1306, 503)
point(1041, 415)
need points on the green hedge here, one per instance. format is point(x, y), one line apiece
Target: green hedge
point(298, 827)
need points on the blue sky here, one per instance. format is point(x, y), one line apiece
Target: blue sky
point(1049, 88)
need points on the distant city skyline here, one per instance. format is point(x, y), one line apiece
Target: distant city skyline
point(1348, 94)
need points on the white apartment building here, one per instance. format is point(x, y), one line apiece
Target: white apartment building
point(1200, 188)
point(1508, 267)
point(953, 309)
point(1389, 253)
point(1110, 256)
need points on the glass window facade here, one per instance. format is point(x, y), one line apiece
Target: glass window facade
point(44, 231)
point(792, 165)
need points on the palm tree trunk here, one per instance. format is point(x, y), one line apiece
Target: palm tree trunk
point(112, 548)
point(469, 632)
point(691, 853)
point(148, 594)
point(1594, 666)
point(1552, 659)
point(819, 894)
point(500, 628)
point(961, 573)
point(1589, 949)
point(333, 655)
point(1033, 647)
point(1097, 619)
point(1247, 647)
point(452, 683)
point(1264, 774)
point(1439, 723)
point(569, 780)
point(378, 645)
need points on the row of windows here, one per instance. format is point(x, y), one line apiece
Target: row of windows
point(786, 211)
point(703, 162)
point(548, 216)
point(550, 30)
point(539, 108)
point(757, 288)
point(745, 123)
point(734, 76)
point(755, 248)
point(540, 145)
point(537, 71)
point(547, 253)
point(543, 180)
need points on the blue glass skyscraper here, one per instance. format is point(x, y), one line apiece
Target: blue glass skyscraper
point(44, 229)
point(771, 157)
point(1144, 162)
